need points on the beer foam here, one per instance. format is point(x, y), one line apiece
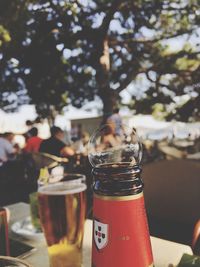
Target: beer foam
point(62, 188)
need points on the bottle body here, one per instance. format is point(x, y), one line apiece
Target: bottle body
point(120, 229)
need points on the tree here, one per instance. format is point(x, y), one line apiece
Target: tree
point(62, 52)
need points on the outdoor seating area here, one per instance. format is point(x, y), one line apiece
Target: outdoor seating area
point(168, 175)
point(99, 133)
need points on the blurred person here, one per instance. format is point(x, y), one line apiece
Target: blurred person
point(67, 139)
point(7, 149)
point(79, 131)
point(135, 136)
point(74, 132)
point(80, 146)
point(39, 124)
point(19, 139)
point(33, 143)
point(116, 119)
point(85, 138)
point(55, 145)
point(110, 139)
point(38, 120)
point(29, 125)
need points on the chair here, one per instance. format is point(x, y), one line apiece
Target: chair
point(18, 178)
point(172, 196)
point(196, 239)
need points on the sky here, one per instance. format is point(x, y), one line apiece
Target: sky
point(16, 121)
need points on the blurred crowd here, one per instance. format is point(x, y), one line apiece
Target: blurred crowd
point(59, 143)
point(19, 168)
point(70, 143)
point(20, 171)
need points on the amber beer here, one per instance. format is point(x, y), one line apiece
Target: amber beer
point(62, 209)
point(120, 230)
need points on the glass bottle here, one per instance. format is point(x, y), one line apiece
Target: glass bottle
point(120, 228)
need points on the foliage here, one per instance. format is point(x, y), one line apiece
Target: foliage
point(55, 53)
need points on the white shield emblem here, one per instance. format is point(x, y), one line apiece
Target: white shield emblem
point(100, 234)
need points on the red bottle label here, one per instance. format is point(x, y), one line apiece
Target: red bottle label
point(120, 232)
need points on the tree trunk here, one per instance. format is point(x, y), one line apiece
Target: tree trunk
point(108, 98)
point(106, 94)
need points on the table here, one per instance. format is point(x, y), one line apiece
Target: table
point(195, 156)
point(164, 252)
point(171, 151)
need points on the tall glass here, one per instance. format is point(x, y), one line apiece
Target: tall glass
point(62, 208)
point(12, 262)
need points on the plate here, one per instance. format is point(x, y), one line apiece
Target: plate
point(26, 229)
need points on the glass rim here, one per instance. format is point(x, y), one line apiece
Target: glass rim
point(75, 188)
point(75, 177)
point(15, 260)
point(73, 174)
point(70, 174)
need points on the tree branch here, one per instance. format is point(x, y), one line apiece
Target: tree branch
point(127, 81)
point(113, 41)
point(106, 21)
point(157, 81)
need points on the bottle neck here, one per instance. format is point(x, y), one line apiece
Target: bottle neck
point(120, 179)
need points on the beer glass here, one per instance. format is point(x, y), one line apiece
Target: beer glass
point(12, 262)
point(62, 208)
point(67, 177)
point(33, 197)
